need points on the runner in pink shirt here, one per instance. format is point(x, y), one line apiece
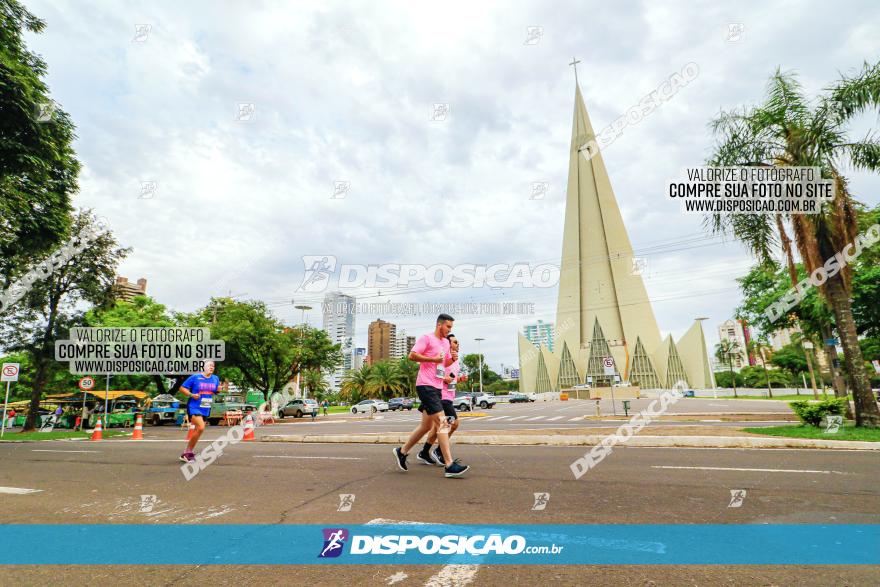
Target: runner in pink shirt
point(447, 399)
point(432, 353)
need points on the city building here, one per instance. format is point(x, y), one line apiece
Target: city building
point(381, 338)
point(605, 326)
point(735, 331)
point(540, 333)
point(339, 323)
point(360, 357)
point(783, 337)
point(123, 289)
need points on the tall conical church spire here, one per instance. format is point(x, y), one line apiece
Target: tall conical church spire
point(603, 308)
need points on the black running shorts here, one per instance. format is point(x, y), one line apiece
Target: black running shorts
point(430, 399)
point(449, 410)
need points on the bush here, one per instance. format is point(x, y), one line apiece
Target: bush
point(813, 414)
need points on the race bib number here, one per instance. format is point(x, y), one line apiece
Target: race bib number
point(205, 401)
point(451, 386)
point(441, 371)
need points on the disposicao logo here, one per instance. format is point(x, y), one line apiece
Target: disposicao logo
point(334, 541)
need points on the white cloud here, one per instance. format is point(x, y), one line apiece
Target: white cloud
point(345, 93)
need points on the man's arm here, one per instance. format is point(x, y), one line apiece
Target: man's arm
point(419, 358)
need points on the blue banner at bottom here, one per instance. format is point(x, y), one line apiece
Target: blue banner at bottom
point(432, 544)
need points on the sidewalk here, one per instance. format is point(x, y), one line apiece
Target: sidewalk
point(672, 436)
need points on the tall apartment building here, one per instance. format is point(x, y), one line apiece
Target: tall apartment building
point(339, 323)
point(381, 338)
point(736, 331)
point(540, 333)
point(402, 345)
point(125, 290)
point(360, 357)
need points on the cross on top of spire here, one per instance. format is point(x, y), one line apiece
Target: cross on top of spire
point(574, 62)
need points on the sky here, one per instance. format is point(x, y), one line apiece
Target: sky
point(213, 136)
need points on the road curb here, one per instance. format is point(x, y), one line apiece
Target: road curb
point(589, 440)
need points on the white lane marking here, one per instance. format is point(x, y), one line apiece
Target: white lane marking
point(535, 418)
point(449, 575)
point(318, 458)
point(742, 469)
point(576, 419)
point(453, 576)
point(554, 418)
point(19, 490)
point(516, 418)
point(47, 450)
point(497, 418)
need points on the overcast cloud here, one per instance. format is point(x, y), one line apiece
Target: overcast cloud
point(346, 93)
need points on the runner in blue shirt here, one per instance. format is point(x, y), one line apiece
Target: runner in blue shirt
point(201, 389)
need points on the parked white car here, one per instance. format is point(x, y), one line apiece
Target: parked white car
point(370, 405)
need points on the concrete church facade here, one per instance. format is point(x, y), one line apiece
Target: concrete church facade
point(603, 308)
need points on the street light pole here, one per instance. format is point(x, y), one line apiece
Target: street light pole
point(480, 353)
point(301, 340)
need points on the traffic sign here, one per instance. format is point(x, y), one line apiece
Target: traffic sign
point(86, 383)
point(608, 364)
point(9, 372)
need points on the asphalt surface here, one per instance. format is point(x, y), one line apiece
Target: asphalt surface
point(88, 482)
point(547, 416)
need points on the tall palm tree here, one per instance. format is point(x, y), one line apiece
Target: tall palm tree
point(385, 380)
point(408, 372)
point(789, 130)
point(724, 352)
point(758, 348)
point(313, 380)
point(355, 384)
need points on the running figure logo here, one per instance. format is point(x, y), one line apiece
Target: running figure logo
point(737, 496)
point(318, 269)
point(334, 540)
point(346, 500)
point(541, 500)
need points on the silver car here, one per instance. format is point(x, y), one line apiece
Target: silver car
point(299, 408)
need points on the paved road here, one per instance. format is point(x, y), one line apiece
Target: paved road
point(82, 482)
point(543, 415)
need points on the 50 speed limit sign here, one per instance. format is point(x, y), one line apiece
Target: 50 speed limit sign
point(86, 383)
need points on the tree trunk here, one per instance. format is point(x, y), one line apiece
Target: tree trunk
point(867, 412)
point(30, 422)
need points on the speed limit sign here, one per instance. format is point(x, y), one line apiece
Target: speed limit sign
point(86, 383)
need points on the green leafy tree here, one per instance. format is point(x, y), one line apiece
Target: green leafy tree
point(46, 313)
point(385, 380)
point(791, 358)
point(759, 348)
point(266, 354)
point(725, 351)
point(38, 167)
point(140, 312)
point(355, 384)
point(408, 371)
point(789, 130)
point(313, 380)
point(471, 363)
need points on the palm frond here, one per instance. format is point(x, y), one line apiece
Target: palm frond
point(855, 94)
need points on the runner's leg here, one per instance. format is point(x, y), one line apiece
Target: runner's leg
point(199, 423)
point(423, 428)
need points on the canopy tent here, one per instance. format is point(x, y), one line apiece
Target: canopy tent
point(113, 394)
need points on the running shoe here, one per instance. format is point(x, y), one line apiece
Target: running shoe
point(401, 458)
point(188, 457)
point(456, 469)
point(437, 457)
point(425, 457)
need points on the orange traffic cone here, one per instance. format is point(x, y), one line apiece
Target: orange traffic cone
point(138, 433)
point(96, 433)
point(248, 428)
point(192, 428)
